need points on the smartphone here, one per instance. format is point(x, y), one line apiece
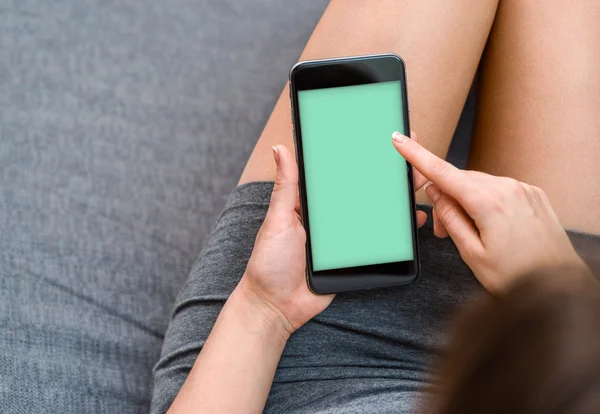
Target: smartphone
point(356, 191)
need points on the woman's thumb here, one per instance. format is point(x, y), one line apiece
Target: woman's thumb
point(285, 190)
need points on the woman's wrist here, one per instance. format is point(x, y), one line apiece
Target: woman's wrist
point(259, 314)
point(240, 354)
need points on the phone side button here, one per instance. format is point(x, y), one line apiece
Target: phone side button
point(292, 117)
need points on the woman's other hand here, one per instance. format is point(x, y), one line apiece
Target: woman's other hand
point(276, 272)
point(502, 228)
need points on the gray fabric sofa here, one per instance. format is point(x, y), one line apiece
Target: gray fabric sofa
point(123, 127)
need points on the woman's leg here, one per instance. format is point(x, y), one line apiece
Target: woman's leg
point(441, 43)
point(539, 106)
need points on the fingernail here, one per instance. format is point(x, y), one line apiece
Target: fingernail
point(399, 138)
point(276, 154)
point(427, 184)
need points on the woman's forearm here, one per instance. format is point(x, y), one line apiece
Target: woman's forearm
point(235, 369)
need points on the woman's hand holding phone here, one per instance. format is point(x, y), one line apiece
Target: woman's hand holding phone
point(502, 228)
point(270, 302)
point(276, 272)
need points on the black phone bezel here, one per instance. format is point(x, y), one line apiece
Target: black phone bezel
point(350, 71)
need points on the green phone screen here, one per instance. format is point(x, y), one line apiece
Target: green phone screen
point(356, 183)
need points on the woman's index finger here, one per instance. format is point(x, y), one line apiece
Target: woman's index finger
point(446, 176)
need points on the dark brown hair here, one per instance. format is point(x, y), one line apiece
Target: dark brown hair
point(535, 350)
